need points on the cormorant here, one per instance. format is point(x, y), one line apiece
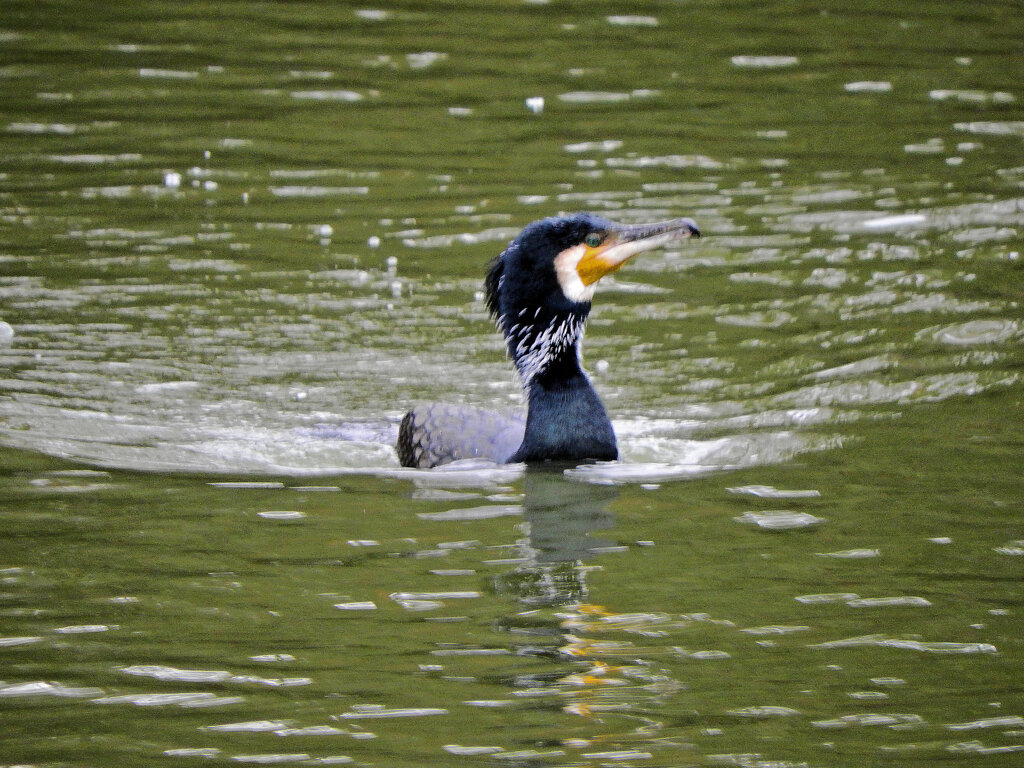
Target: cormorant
point(539, 291)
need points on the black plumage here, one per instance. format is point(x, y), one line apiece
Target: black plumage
point(538, 290)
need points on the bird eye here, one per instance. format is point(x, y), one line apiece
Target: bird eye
point(593, 240)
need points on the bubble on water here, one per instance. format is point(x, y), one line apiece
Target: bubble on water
point(535, 104)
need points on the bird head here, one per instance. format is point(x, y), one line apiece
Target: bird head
point(557, 262)
point(539, 289)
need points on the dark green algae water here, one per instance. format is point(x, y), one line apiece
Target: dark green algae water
point(224, 224)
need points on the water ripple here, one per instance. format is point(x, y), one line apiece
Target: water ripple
point(974, 332)
point(882, 641)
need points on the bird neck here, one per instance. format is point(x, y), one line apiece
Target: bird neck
point(546, 345)
point(565, 419)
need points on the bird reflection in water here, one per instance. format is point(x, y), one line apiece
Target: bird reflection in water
point(559, 517)
point(588, 672)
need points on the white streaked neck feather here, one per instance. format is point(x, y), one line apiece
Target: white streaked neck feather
point(533, 350)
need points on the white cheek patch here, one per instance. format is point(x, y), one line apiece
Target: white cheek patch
point(569, 278)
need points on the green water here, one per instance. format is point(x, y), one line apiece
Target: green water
point(226, 225)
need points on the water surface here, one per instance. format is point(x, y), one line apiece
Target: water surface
point(224, 226)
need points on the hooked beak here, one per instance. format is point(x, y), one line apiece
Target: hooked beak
point(621, 243)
